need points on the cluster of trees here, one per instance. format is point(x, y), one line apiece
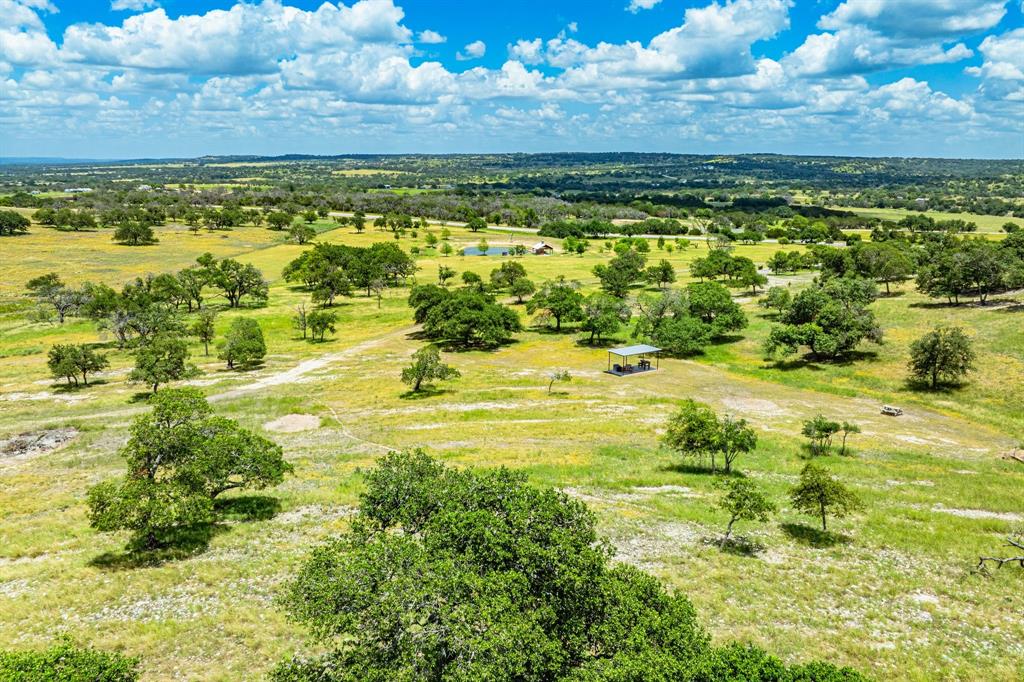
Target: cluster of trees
point(12, 222)
point(333, 270)
point(132, 225)
point(918, 222)
point(462, 317)
point(397, 223)
point(314, 324)
point(887, 262)
point(737, 270)
point(598, 314)
point(71, 361)
point(155, 295)
point(683, 322)
point(951, 196)
point(65, 219)
point(146, 315)
point(578, 229)
point(946, 266)
point(731, 225)
point(696, 431)
point(163, 357)
point(820, 431)
point(952, 268)
point(510, 276)
point(179, 459)
point(800, 228)
point(830, 318)
point(623, 271)
point(468, 574)
point(782, 262)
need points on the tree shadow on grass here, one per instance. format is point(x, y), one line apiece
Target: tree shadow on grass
point(725, 339)
point(141, 397)
point(1010, 306)
point(247, 508)
point(458, 347)
point(426, 391)
point(547, 330)
point(190, 541)
point(818, 364)
point(737, 545)
point(807, 452)
point(64, 387)
point(945, 388)
point(246, 368)
point(936, 305)
point(182, 543)
point(596, 343)
point(701, 470)
point(418, 335)
point(812, 537)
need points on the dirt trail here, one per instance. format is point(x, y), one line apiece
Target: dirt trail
point(278, 379)
point(293, 374)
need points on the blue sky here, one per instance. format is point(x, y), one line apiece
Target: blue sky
point(134, 78)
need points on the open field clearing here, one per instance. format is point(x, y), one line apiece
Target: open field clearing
point(891, 591)
point(986, 223)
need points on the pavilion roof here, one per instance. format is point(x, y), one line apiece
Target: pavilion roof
point(639, 349)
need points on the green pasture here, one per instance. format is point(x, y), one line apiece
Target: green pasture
point(891, 591)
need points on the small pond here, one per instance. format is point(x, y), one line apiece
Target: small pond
point(492, 251)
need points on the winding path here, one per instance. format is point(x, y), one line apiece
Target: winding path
point(293, 374)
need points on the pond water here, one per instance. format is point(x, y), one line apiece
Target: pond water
point(492, 251)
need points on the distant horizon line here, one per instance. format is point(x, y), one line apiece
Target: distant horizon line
point(29, 160)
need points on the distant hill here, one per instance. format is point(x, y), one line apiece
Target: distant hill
point(33, 160)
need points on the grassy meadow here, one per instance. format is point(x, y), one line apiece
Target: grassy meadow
point(891, 591)
point(990, 224)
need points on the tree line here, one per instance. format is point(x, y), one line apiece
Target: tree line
point(147, 316)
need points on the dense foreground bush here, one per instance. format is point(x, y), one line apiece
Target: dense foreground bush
point(67, 663)
point(475, 575)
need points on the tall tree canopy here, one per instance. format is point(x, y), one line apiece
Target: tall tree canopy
point(475, 575)
point(831, 318)
point(463, 317)
point(179, 458)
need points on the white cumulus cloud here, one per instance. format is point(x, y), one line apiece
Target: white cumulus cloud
point(917, 18)
point(264, 72)
point(637, 5)
point(473, 50)
point(875, 35)
point(131, 5)
point(429, 37)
